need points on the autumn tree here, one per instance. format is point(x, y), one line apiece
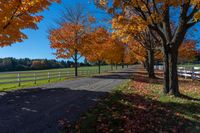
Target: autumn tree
point(17, 15)
point(95, 48)
point(68, 38)
point(158, 17)
point(138, 52)
point(151, 46)
point(129, 57)
point(67, 42)
point(188, 51)
point(115, 52)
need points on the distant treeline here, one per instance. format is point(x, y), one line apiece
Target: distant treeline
point(12, 64)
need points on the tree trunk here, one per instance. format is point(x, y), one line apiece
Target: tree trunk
point(99, 64)
point(127, 65)
point(166, 71)
point(116, 66)
point(151, 63)
point(173, 73)
point(76, 63)
point(146, 64)
point(122, 64)
point(111, 65)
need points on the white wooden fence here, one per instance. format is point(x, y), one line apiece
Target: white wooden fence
point(21, 77)
point(192, 72)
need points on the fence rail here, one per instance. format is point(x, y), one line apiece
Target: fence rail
point(21, 77)
point(192, 72)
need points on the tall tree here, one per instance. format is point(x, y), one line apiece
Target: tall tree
point(151, 46)
point(17, 15)
point(95, 48)
point(115, 52)
point(68, 39)
point(157, 16)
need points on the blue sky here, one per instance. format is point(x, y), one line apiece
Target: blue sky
point(37, 45)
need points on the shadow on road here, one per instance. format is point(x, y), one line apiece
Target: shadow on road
point(39, 110)
point(127, 74)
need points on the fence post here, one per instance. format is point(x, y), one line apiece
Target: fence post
point(80, 73)
point(18, 79)
point(48, 76)
point(34, 78)
point(185, 73)
point(193, 74)
point(59, 75)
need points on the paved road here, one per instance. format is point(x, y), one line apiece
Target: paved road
point(38, 110)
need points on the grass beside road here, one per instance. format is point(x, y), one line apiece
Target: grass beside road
point(189, 66)
point(140, 106)
point(14, 86)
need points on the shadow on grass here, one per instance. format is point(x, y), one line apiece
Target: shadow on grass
point(188, 97)
point(123, 113)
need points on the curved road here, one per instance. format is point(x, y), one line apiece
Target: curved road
point(38, 110)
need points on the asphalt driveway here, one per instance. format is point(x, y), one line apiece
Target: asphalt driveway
point(38, 110)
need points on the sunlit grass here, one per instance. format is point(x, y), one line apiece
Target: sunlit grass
point(15, 86)
point(140, 106)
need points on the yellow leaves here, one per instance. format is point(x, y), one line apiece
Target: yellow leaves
point(103, 2)
point(154, 18)
point(197, 16)
point(127, 28)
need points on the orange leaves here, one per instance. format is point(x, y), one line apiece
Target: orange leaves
point(115, 51)
point(38, 18)
point(17, 15)
point(67, 40)
point(91, 19)
point(187, 50)
point(96, 41)
point(137, 51)
point(100, 46)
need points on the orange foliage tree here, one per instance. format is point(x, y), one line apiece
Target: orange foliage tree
point(115, 52)
point(157, 16)
point(67, 40)
point(187, 51)
point(95, 48)
point(17, 15)
point(129, 57)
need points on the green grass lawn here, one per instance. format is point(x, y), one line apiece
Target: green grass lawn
point(189, 65)
point(29, 75)
point(139, 106)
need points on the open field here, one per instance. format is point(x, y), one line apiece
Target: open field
point(140, 106)
point(39, 77)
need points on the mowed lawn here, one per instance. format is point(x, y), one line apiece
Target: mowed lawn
point(189, 66)
point(29, 75)
point(139, 106)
